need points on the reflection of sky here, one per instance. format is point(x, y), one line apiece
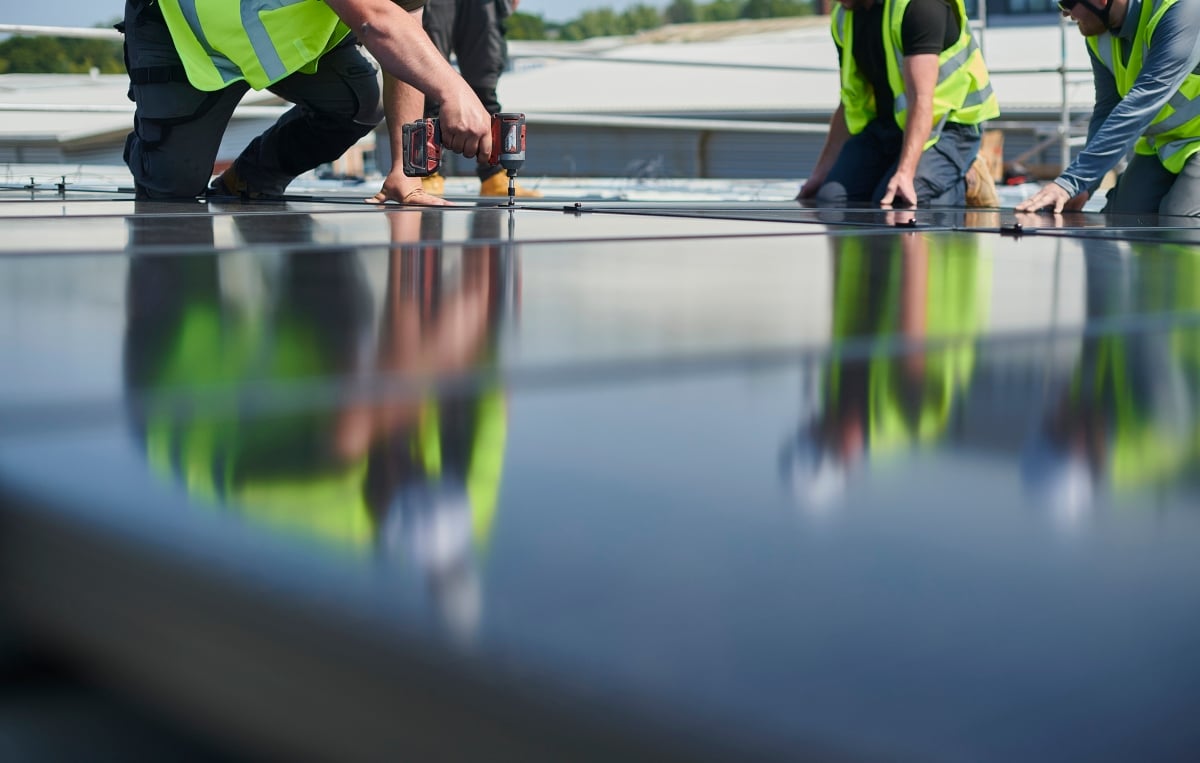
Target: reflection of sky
point(644, 543)
point(934, 587)
point(60, 324)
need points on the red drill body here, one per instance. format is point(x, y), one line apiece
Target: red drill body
point(423, 146)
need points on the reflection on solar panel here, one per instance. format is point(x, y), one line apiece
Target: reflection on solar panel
point(606, 479)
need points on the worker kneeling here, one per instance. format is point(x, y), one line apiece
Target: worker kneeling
point(191, 62)
point(914, 96)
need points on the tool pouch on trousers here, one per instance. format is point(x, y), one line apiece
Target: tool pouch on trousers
point(158, 82)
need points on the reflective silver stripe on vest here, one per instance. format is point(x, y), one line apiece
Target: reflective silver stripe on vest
point(974, 98)
point(260, 41)
point(1186, 109)
point(264, 48)
point(1104, 46)
point(953, 63)
point(1167, 150)
point(977, 97)
point(226, 68)
point(948, 67)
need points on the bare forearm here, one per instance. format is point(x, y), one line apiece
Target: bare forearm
point(835, 139)
point(398, 42)
point(915, 135)
point(920, 80)
point(402, 103)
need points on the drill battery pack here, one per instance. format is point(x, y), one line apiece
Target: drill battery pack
point(422, 147)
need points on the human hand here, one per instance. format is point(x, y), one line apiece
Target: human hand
point(809, 189)
point(1077, 201)
point(1052, 197)
point(900, 191)
point(407, 190)
point(466, 124)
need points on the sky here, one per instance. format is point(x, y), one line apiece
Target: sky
point(91, 12)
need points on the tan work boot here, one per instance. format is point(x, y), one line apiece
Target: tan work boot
point(497, 185)
point(228, 183)
point(981, 188)
point(434, 185)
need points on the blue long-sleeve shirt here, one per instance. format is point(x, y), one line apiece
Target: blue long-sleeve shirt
point(1118, 122)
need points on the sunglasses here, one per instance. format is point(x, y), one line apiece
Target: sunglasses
point(1066, 5)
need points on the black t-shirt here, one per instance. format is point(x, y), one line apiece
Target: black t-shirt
point(929, 26)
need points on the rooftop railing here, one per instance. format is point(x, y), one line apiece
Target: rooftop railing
point(1066, 132)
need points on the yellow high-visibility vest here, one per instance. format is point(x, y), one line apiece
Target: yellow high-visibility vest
point(964, 90)
point(1174, 135)
point(261, 41)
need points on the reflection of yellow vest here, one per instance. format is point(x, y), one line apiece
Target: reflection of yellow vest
point(957, 302)
point(261, 42)
point(963, 93)
point(324, 502)
point(1142, 452)
point(1174, 135)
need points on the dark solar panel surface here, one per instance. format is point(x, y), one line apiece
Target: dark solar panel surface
point(586, 478)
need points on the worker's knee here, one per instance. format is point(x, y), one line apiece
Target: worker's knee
point(162, 173)
point(832, 193)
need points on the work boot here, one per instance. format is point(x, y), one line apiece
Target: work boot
point(497, 185)
point(434, 185)
point(981, 188)
point(230, 184)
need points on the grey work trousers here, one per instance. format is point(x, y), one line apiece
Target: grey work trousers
point(178, 129)
point(1147, 187)
point(472, 31)
point(868, 160)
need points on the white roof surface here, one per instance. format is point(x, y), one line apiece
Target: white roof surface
point(77, 106)
point(611, 86)
point(623, 82)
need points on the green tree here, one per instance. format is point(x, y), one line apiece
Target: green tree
point(641, 17)
point(784, 8)
point(26, 54)
point(525, 26)
point(681, 12)
point(721, 10)
point(54, 55)
point(757, 9)
point(599, 23)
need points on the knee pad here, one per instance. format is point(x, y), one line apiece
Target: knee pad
point(362, 79)
point(832, 193)
point(370, 100)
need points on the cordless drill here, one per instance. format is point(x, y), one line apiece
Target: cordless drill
point(423, 147)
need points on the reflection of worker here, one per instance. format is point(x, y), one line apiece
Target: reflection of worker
point(1127, 417)
point(190, 66)
point(411, 475)
point(905, 289)
point(1145, 59)
point(914, 94)
point(473, 31)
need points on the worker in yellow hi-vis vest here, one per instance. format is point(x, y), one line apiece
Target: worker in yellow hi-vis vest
point(915, 93)
point(191, 62)
point(383, 463)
